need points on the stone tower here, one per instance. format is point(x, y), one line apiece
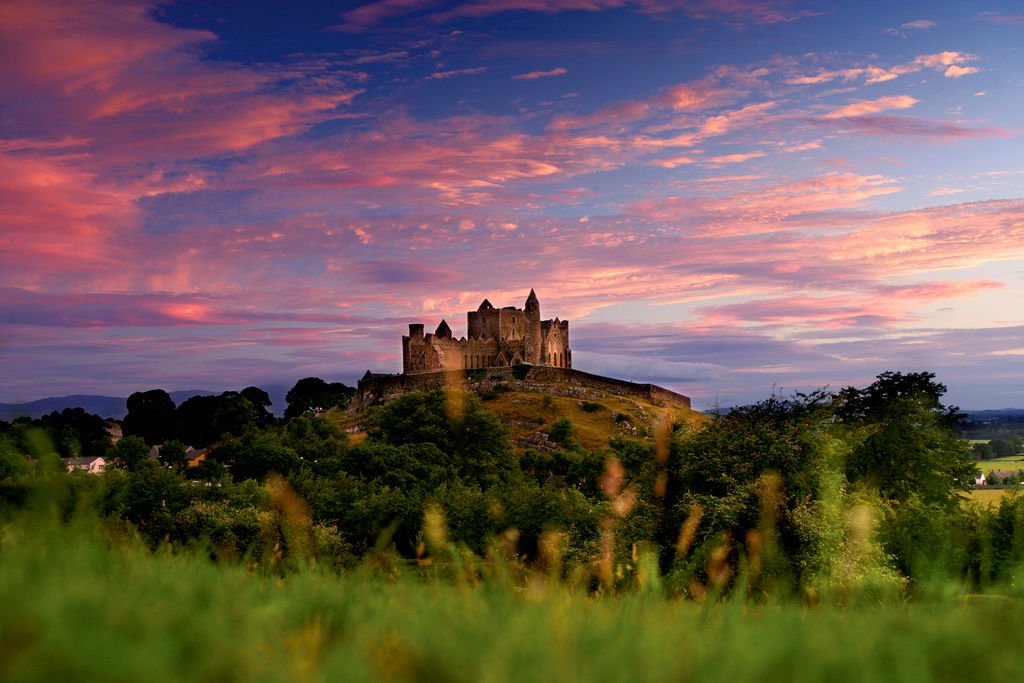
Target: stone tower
point(533, 334)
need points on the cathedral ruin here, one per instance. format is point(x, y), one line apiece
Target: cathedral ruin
point(496, 337)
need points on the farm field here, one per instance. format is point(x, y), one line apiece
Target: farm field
point(1013, 462)
point(78, 608)
point(987, 495)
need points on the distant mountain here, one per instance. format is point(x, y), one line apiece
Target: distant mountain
point(115, 406)
point(993, 414)
point(104, 406)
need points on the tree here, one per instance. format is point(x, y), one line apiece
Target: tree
point(258, 454)
point(1002, 448)
point(76, 432)
point(130, 453)
point(315, 439)
point(457, 424)
point(904, 439)
point(312, 393)
point(561, 430)
point(754, 466)
point(172, 454)
point(983, 451)
point(234, 414)
point(261, 402)
point(195, 421)
point(151, 415)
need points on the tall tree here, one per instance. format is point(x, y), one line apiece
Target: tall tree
point(151, 415)
point(130, 453)
point(904, 439)
point(312, 393)
point(261, 402)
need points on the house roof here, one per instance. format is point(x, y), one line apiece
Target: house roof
point(77, 462)
point(1002, 474)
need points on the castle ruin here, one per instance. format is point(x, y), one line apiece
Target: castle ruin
point(496, 337)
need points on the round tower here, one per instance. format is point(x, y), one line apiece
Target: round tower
point(533, 336)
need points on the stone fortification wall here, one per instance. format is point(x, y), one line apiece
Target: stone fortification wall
point(559, 381)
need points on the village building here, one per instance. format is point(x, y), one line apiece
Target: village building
point(92, 465)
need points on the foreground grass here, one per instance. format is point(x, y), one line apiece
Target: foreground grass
point(78, 607)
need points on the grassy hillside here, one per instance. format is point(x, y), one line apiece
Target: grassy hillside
point(595, 419)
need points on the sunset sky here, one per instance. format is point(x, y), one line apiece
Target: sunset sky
point(723, 196)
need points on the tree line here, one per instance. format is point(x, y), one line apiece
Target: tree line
point(860, 486)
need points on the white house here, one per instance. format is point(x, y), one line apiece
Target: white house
point(93, 465)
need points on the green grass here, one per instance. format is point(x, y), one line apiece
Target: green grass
point(78, 607)
point(1011, 462)
point(988, 495)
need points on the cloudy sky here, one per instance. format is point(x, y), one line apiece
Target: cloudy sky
point(723, 196)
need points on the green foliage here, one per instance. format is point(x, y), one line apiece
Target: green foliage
point(475, 439)
point(1003, 448)
point(905, 442)
point(13, 463)
point(560, 430)
point(261, 402)
point(76, 608)
point(312, 393)
point(316, 440)
point(72, 432)
point(172, 454)
point(852, 495)
point(130, 453)
point(258, 454)
point(983, 451)
point(234, 415)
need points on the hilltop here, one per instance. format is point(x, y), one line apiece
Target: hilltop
point(532, 400)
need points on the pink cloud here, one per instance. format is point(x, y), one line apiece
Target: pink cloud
point(996, 18)
point(735, 11)
point(959, 71)
point(940, 61)
point(768, 208)
point(910, 126)
point(672, 162)
point(372, 13)
point(733, 158)
point(534, 75)
point(873, 106)
point(459, 72)
point(138, 87)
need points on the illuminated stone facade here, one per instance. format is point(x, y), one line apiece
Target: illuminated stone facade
point(496, 337)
